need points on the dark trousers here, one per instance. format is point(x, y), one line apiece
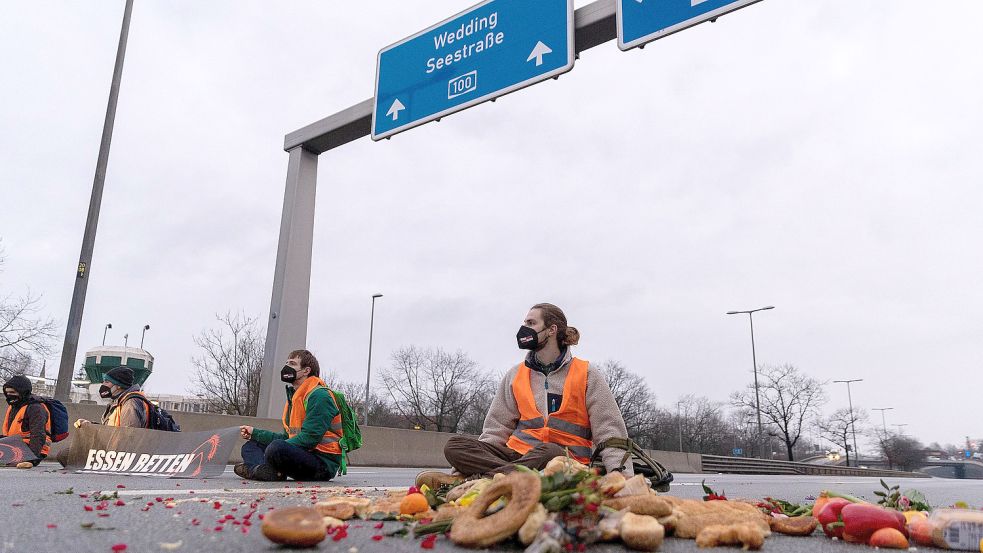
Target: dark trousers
point(288, 459)
point(469, 456)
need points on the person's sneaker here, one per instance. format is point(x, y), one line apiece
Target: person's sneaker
point(266, 473)
point(242, 470)
point(25, 465)
point(434, 479)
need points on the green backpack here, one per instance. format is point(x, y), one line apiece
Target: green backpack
point(352, 436)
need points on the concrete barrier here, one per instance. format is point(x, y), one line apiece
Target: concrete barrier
point(384, 447)
point(678, 462)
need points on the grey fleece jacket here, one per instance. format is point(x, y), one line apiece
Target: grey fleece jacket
point(134, 410)
point(605, 417)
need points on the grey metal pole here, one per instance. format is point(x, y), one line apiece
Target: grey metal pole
point(368, 370)
point(287, 325)
point(143, 334)
point(72, 331)
point(757, 393)
point(883, 419)
point(754, 361)
point(104, 331)
point(853, 422)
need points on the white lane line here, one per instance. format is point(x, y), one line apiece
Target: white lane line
point(333, 490)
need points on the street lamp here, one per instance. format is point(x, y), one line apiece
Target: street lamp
point(754, 361)
point(883, 420)
point(853, 422)
point(104, 331)
point(144, 333)
point(368, 370)
point(900, 428)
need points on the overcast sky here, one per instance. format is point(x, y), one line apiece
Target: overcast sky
point(819, 156)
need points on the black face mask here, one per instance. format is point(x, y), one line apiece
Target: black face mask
point(12, 399)
point(105, 391)
point(528, 338)
point(288, 374)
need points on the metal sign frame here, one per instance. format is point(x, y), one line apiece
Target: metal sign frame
point(662, 33)
point(571, 58)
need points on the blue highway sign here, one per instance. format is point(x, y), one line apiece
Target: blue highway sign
point(642, 21)
point(486, 51)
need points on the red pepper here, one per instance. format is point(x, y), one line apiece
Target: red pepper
point(829, 517)
point(862, 520)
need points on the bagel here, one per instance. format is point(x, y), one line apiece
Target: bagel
point(473, 529)
point(294, 527)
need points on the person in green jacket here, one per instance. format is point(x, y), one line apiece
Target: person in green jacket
point(309, 448)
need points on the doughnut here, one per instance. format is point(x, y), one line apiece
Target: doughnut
point(294, 527)
point(473, 529)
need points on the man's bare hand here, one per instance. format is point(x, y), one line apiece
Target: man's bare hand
point(246, 432)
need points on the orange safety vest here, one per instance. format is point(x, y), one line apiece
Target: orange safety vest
point(568, 427)
point(115, 417)
point(295, 411)
point(9, 423)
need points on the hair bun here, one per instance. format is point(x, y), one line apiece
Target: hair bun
point(572, 337)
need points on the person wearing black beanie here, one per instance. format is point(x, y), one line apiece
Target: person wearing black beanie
point(26, 417)
point(129, 407)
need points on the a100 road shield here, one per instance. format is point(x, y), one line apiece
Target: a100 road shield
point(642, 21)
point(486, 51)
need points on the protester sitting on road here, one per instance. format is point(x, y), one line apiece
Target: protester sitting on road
point(129, 407)
point(550, 404)
point(26, 417)
point(310, 446)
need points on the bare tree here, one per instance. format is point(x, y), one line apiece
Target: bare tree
point(839, 426)
point(903, 452)
point(380, 412)
point(703, 427)
point(25, 334)
point(632, 394)
point(229, 365)
point(788, 399)
point(435, 389)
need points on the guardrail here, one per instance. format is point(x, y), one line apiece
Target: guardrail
point(741, 465)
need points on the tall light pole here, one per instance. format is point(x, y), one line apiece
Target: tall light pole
point(883, 420)
point(74, 328)
point(368, 370)
point(144, 333)
point(853, 421)
point(754, 361)
point(900, 428)
point(104, 331)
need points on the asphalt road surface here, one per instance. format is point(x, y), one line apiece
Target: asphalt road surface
point(211, 515)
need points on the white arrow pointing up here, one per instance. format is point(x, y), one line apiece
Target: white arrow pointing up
point(395, 109)
point(538, 52)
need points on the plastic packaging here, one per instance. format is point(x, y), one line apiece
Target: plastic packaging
point(960, 529)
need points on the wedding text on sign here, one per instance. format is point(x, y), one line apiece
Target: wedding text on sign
point(476, 25)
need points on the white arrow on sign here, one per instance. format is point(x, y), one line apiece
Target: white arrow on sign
point(395, 109)
point(538, 52)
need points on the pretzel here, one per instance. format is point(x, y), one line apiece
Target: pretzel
point(473, 529)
